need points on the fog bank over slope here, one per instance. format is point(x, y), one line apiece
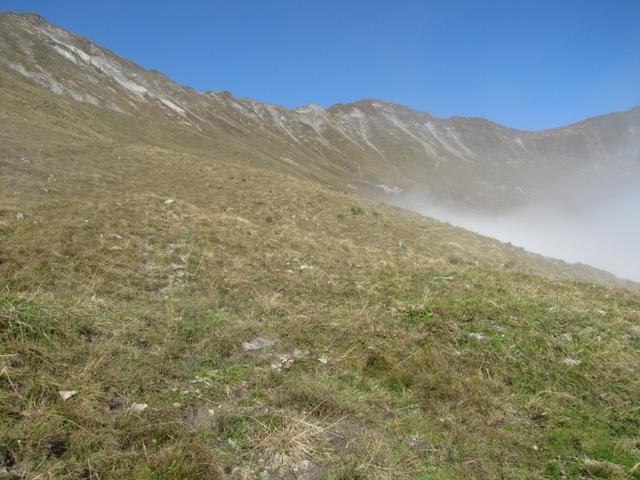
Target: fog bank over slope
point(603, 234)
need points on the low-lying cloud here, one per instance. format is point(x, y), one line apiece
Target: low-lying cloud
point(603, 233)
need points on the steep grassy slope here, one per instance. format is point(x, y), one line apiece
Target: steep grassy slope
point(276, 328)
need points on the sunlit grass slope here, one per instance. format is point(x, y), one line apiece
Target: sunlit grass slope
point(206, 318)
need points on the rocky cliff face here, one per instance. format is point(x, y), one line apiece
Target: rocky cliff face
point(373, 147)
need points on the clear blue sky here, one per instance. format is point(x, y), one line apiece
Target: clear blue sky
point(526, 64)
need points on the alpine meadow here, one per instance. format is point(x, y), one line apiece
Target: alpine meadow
point(200, 286)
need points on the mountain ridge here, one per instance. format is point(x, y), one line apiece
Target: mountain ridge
point(366, 100)
point(41, 22)
point(36, 16)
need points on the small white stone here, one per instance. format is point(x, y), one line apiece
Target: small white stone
point(139, 407)
point(169, 201)
point(67, 394)
point(572, 362)
point(257, 343)
point(285, 362)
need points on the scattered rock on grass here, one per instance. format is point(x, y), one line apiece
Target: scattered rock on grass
point(67, 394)
point(417, 442)
point(257, 343)
point(285, 362)
point(139, 407)
point(199, 416)
point(566, 337)
point(572, 362)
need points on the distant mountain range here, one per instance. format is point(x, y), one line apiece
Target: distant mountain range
point(373, 147)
